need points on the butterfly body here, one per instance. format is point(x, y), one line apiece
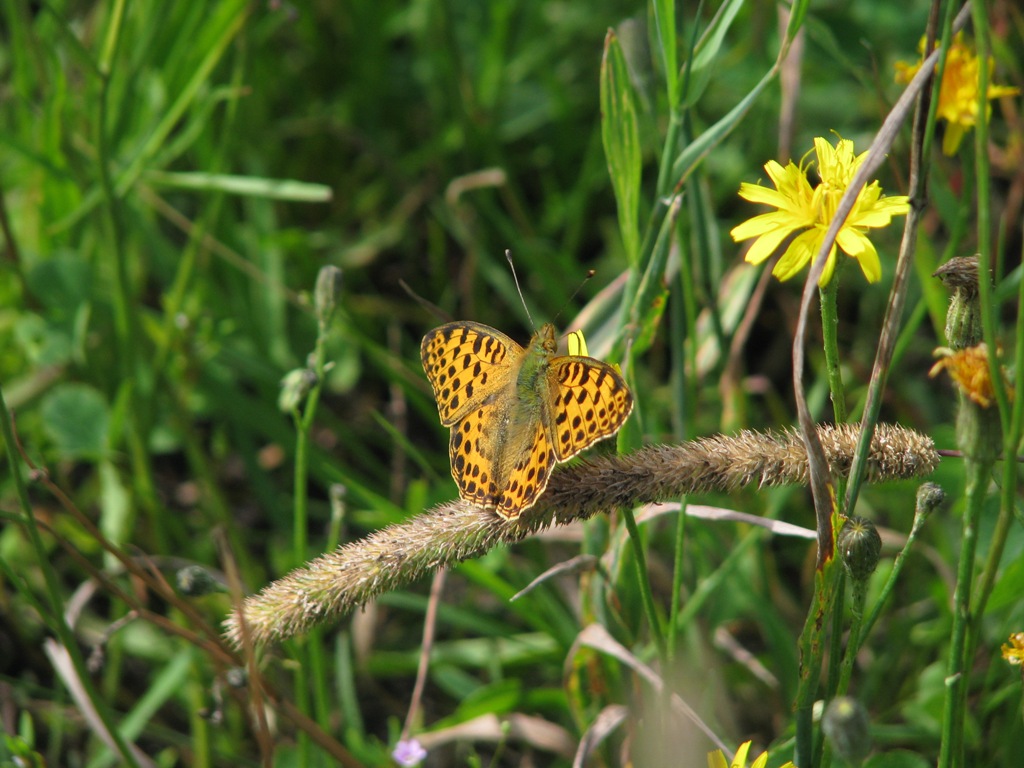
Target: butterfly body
point(513, 412)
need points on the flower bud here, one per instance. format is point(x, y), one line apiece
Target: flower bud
point(846, 726)
point(929, 497)
point(327, 293)
point(860, 546)
point(196, 581)
point(963, 318)
point(295, 386)
point(237, 677)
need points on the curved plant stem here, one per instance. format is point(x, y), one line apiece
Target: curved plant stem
point(56, 619)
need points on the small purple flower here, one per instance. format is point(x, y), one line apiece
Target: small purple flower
point(408, 753)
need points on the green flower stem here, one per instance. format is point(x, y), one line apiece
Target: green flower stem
point(640, 559)
point(833, 372)
point(887, 588)
point(842, 684)
point(310, 652)
point(1010, 416)
point(979, 463)
point(859, 593)
point(829, 332)
point(984, 208)
point(811, 653)
point(303, 425)
point(1009, 481)
point(822, 750)
point(951, 752)
point(835, 651)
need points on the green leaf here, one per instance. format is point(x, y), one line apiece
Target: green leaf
point(696, 151)
point(77, 419)
point(701, 66)
point(621, 138)
point(665, 24)
point(61, 282)
point(247, 186)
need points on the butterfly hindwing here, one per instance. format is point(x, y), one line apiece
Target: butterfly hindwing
point(589, 402)
point(471, 451)
point(528, 475)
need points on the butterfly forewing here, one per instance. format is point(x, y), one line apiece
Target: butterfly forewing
point(590, 401)
point(466, 363)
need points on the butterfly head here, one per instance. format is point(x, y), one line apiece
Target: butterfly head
point(548, 338)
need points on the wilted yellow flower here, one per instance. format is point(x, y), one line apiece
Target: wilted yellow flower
point(717, 760)
point(578, 344)
point(969, 370)
point(802, 208)
point(958, 95)
point(1013, 651)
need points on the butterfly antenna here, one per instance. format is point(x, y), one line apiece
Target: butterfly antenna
point(430, 306)
point(590, 274)
point(508, 257)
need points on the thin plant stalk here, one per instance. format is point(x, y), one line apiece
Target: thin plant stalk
point(1010, 416)
point(833, 372)
point(811, 653)
point(1008, 485)
point(829, 332)
point(842, 684)
point(311, 654)
point(951, 750)
point(887, 588)
point(966, 617)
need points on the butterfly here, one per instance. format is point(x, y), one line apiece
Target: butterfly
point(514, 413)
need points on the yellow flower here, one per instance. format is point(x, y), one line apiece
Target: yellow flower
point(802, 208)
point(969, 370)
point(717, 760)
point(958, 96)
point(578, 344)
point(1013, 651)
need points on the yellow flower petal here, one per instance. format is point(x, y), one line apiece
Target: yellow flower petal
point(756, 193)
point(803, 248)
point(879, 213)
point(951, 141)
point(740, 759)
point(577, 344)
point(761, 225)
point(1013, 651)
point(766, 245)
point(857, 245)
point(852, 241)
